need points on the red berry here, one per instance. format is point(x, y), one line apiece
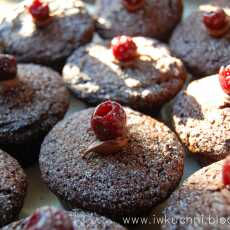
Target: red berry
point(226, 172)
point(133, 5)
point(8, 67)
point(215, 20)
point(39, 10)
point(124, 48)
point(47, 219)
point(224, 78)
point(109, 121)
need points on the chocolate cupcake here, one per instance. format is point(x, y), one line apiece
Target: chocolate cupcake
point(138, 72)
point(203, 200)
point(32, 100)
point(46, 33)
point(48, 218)
point(201, 116)
point(13, 187)
point(148, 18)
point(112, 161)
point(202, 39)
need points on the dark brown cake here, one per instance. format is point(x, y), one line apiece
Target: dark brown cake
point(13, 187)
point(156, 19)
point(154, 79)
point(201, 116)
point(30, 109)
point(81, 221)
point(128, 183)
point(203, 201)
point(191, 42)
point(71, 27)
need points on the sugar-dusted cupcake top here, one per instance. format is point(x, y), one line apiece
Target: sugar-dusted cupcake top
point(45, 32)
point(139, 168)
point(201, 116)
point(203, 201)
point(148, 18)
point(138, 72)
point(202, 39)
point(32, 100)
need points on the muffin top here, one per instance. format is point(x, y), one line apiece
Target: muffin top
point(70, 26)
point(13, 187)
point(153, 19)
point(33, 105)
point(201, 116)
point(202, 53)
point(203, 201)
point(129, 182)
point(80, 220)
point(153, 78)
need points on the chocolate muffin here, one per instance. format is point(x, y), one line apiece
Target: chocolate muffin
point(201, 203)
point(202, 39)
point(49, 40)
point(32, 100)
point(13, 187)
point(94, 74)
point(201, 116)
point(68, 220)
point(148, 18)
point(120, 177)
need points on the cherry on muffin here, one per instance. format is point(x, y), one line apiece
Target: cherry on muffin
point(224, 78)
point(216, 22)
point(133, 5)
point(49, 218)
point(40, 12)
point(109, 125)
point(226, 172)
point(124, 49)
point(109, 121)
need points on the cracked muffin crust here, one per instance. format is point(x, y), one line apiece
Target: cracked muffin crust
point(200, 52)
point(13, 188)
point(156, 19)
point(81, 221)
point(202, 195)
point(155, 78)
point(30, 110)
point(128, 183)
point(71, 26)
point(201, 116)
